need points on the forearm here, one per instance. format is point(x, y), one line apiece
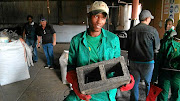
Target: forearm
point(156, 43)
point(54, 37)
point(39, 39)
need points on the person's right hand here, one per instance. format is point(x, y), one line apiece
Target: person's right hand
point(79, 94)
point(72, 78)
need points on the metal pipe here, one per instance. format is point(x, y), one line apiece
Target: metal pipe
point(134, 12)
point(162, 6)
point(162, 9)
point(135, 9)
point(48, 9)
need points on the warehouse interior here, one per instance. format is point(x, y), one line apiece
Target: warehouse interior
point(13, 13)
point(68, 18)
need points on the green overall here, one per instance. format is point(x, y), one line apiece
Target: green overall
point(85, 50)
point(168, 58)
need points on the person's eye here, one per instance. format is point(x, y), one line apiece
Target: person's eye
point(96, 16)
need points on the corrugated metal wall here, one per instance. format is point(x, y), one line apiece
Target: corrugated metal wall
point(68, 12)
point(16, 12)
point(74, 12)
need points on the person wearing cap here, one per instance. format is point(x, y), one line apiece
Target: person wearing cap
point(48, 35)
point(91, 46)
point(30, 35)
point(143, 42)
point(168, 68)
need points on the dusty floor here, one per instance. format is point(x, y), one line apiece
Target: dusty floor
point(46, 84)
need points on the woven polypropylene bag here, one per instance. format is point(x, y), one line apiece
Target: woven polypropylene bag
point(13, 64)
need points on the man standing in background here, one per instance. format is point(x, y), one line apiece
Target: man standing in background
point(48, 35)
point(143, 42)
point(30, 35)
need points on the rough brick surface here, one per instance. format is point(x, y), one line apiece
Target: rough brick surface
point(95, 78)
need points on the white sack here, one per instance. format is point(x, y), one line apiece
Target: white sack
point(29, 54)
point(13, 66)
point(63, 61)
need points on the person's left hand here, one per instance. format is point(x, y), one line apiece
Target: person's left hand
point(128, 86)
point(54, 43)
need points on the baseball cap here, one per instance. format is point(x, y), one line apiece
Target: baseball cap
point(145, 14)
point(99, 7)
point(43, 19)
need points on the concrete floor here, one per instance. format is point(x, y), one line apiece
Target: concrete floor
point(46, 84)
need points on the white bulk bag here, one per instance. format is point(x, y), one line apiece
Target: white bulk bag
point(63, 61)
point(13, 62)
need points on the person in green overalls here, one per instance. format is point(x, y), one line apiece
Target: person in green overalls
point(93, 45)
point(168, 69)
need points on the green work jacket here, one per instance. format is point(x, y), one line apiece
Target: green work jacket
point(168, 57)
point(79, 55)
point(167, 35)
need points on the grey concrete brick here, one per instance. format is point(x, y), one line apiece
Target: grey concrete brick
point(93, 78)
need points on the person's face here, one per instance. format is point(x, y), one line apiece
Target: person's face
point(43, 23)
point(97, 22)
point(169, 25)
point(30, 20)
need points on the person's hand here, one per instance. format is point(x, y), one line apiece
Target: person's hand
point(128, 86)
point(78, 93)
point(154, 82)
point(72, 78)
point(54, 43)
point(38, 45)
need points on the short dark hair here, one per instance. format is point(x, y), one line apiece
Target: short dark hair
point(29, 16)
point(167, 20)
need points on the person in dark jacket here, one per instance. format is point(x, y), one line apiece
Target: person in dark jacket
point(30, 35)
point(143, 42)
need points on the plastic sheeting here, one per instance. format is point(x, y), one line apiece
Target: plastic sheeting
point(63, 61)
point(12, 36)
point(14, 60)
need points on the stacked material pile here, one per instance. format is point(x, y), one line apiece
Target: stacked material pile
point(15, 59)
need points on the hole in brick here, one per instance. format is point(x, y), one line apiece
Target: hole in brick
point(113, 70)
point(92, 75)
